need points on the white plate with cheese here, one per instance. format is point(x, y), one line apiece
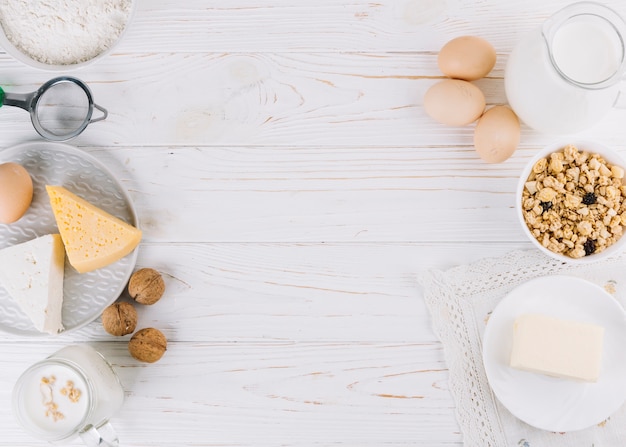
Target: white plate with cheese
point(554, 403)
point(85, 295)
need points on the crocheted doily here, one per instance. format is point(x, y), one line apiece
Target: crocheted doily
point(460, 301)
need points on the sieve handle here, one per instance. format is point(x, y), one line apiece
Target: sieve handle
point(21, 100)
point(100, 118)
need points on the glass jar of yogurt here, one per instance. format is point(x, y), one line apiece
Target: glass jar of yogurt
point(74, 392)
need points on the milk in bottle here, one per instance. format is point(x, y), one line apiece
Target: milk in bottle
point(564, 76)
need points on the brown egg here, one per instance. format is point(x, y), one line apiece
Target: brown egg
point(454, 102)
point(497, 134)
point(16, 192)
point(467, 57)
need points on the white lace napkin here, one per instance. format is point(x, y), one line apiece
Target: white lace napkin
point(460, 301)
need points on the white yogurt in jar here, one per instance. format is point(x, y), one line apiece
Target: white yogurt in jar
point(67, 393)
point(54, 400)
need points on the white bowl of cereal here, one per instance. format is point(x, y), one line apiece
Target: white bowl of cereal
point(571, 201)
point(69, 34)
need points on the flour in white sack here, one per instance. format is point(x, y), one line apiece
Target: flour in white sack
point(63, 32)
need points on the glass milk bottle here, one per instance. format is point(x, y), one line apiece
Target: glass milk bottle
point(565, 75)
point(72, 393)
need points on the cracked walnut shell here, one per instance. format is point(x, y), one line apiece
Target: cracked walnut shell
point(119, 319)
point(146, 286)
point(147, 345)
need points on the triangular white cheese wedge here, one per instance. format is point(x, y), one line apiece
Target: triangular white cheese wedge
point(32, 273)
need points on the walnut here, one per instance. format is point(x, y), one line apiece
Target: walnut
point(146, 286)
point(147, 345)
point(119, 319)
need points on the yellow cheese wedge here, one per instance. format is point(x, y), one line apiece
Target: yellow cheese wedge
point(93, 238)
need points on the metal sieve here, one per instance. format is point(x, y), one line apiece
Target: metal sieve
point(60, 109)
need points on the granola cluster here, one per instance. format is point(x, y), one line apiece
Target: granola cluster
point(73, 394)
point(47, 386)
point(574, 202)
point(52, 408)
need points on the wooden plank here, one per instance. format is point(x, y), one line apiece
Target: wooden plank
point(259, 292)
point(259, 99)
point(264, 394)
point(271, 99)
point(361, 25)
point(259, 194)
point(294, 194)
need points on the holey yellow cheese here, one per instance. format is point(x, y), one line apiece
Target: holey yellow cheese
point(556, 347)
point(93, 238)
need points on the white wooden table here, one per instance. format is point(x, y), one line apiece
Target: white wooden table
point(290, 187)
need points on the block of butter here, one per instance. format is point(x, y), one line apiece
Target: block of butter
point(555, 347)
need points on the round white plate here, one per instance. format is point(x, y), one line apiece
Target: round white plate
point(85, 295)
point(551, 403)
